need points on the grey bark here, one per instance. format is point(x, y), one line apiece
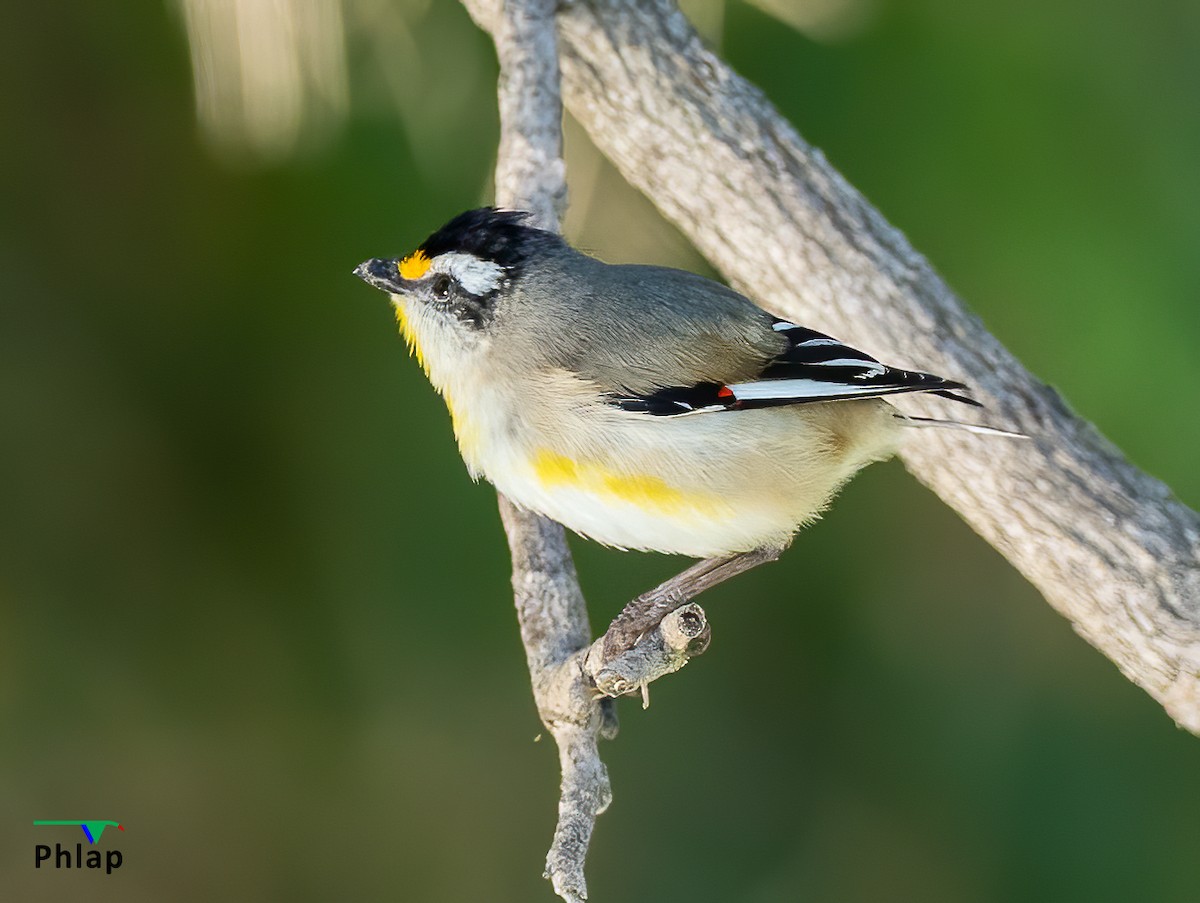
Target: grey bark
point(530, 175)
point(572, 677)
point(1107, 545)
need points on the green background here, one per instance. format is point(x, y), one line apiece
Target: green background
point(252, 607)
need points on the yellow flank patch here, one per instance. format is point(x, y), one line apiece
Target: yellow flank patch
point(415, 265)
point(642, 490)
point(555, 470)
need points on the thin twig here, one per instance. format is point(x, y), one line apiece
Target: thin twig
point(570, 675)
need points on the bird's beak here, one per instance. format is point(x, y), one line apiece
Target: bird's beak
point(383, 274)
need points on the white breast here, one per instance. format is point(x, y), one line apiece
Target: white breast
point(699, 486)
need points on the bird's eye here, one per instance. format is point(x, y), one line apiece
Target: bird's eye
point(441, 287)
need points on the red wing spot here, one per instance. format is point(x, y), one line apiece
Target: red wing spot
point(120, 827)
point(724, 392)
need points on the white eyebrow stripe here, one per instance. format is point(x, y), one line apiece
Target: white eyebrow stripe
point(476, 275)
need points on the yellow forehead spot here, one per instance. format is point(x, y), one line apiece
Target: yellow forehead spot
point(415, 265)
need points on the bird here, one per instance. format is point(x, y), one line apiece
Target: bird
point(643, 407)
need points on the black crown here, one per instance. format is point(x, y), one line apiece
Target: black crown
point(501, 236)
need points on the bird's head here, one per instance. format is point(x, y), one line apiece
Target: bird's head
point(449, 291)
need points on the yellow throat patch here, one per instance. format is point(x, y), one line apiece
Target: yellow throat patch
point(410, 337)
point(465, 433)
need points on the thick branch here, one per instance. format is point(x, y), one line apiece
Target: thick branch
point(1107, 545)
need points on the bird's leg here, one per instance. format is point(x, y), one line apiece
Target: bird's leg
point(643, 613)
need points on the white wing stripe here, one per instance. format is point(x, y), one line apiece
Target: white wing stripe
point(815, 343)
point(801, 388)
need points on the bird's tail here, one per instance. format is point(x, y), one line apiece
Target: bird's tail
point(958, 425)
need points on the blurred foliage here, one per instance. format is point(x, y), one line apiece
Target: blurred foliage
point(251, 606)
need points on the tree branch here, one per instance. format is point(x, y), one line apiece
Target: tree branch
point(530, 175)
point(571, 679)
point(1107, 545)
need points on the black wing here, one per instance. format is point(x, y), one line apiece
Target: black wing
point(813, 367)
